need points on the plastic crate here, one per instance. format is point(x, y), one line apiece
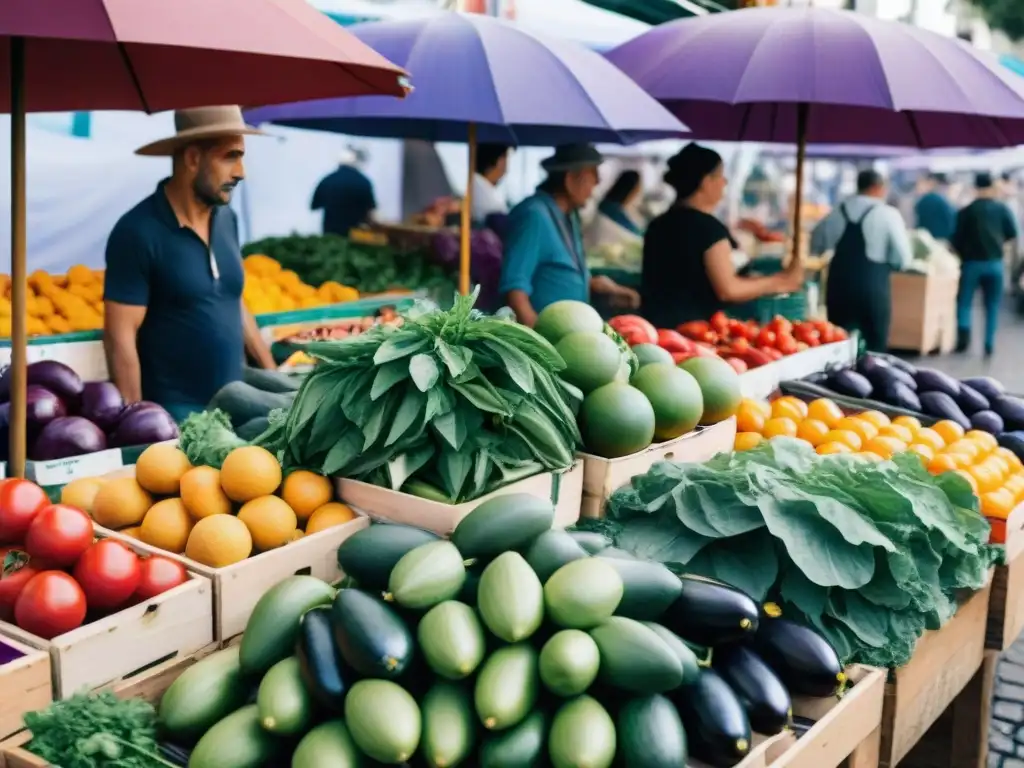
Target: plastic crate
point(792, 306)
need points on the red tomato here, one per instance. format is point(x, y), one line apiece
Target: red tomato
point(15, 572)
point(766, 338)
point(719, 322)
point(51, 604)
point(59, 534)
point(108, 573)
point(20, 500)
point(636, 327)
point(158, 575)
point(673, 341)
point(780, 325)
point(786, 344)
point(741, 344)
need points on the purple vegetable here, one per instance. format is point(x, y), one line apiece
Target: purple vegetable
point(56, 377)
point(143, 426)
point(102, 404)
point(988, 421)
point(140, 405)
point(68, 436)
point(43, 406)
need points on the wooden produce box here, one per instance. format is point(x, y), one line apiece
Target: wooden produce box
point(24, 686)
point(238, 587)
point(846, 731)
point(943, 664)
point(760, 753)
point(175, 624)
point(1006, 604)
point(761, 382)
point(923, 312)
point(602, 477)
point(564, 489)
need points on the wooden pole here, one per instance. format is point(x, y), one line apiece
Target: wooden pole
point(19, 276)
point(467, 210)
point(798, 196)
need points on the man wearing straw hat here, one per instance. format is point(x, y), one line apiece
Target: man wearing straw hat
point(175, 328)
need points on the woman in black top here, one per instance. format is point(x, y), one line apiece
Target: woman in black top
point(688, 273)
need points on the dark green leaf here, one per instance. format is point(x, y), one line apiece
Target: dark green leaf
point(388, 375)
point(516, 364)
point(424, 371)
point(405, 417)
point(405, 465)
point(456, 359)
point(454, 468)
point(401, 344)
point(347, 448)
point(452, 427)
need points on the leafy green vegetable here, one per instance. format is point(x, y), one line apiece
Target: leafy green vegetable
point(207, 438)
point(871, 554)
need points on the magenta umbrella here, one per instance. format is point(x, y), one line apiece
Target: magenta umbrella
point(154, 55)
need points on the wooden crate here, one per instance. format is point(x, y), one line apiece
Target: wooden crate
point(760, 753)
point(238, 587)
point(564, 489)
point(923, 312)
point(24, 686)
point(602, 477)
point(943, 664)
point(1006, 604)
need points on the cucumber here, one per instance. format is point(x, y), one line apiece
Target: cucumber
point(648, 589)
point(582, 734)
point(329, 744)
point(687, 656)
point(591, 541)
point(651, 734)
point(614, 553)
point(711, 613)
point(634, 658)
point(384, 720)
point(285, 705)
point(550, 551)
point(506, 688)
point(569, 662)
point(208, 691)
point(318, 659)
point(510, 598)
point(426, 491)
point(502, 523)
point(518, 747)
point(583, 593)
point(273, 627)
point(803, 659)
point(452, 640)
point(448, 727)
point(237, 741)
point(717, 729)
point(763, 696)
point(369, 555)
point(426, 576)
point(370, 636)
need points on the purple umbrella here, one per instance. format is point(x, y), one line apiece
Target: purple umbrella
point(479, 78)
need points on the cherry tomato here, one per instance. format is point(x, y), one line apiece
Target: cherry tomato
point(51, 604)
point(108, 573)
point(719, 322)
point(59, 534)
point(786, 344)
point(16, 568)
point(766, 338)
point(158, 575)
point(20, 500)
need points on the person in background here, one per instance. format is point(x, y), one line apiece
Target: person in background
point(933, 211)
point(983, 230)
point(491, 167)
point(544, 259)
point(175, 327)
point(688, 271)
point(345, 196)
point(868, 239)
point(614, 224)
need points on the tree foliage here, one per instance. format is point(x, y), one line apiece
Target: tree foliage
point(1004, 15)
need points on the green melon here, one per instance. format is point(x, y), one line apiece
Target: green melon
point(616, 420)
point(560, 319)
point(652, 353)
point(591, 359)
point(675, 396)
point(720, 385)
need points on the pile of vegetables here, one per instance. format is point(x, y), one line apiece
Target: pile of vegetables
point(870, 554)
point(550, 646)
point(68, 417)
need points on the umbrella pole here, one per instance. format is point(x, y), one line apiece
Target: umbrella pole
point(798, 195)
point(19, 337)
point(467, 208)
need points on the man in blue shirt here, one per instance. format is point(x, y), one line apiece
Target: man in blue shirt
point(345, 196)
point(175, 329)
point(544, 259)
point(933, 210)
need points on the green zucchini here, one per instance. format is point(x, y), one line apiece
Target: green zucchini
point(648, 589)
point(329, 744)
point(591, 541)
point(369, 555)
point(634, 658)
point(510, 598)
point(273, 626)
point(237, 741)
point(520, 746)
point(583, 593)
point(582, 733)
point(711, 613)
point(503, 523)
point(208, 691)
point(284, 703)
point(506, 688)
point(426, 576)
point(452, 640)
point(569, 662)
point(370, 636)
point(384, 720)
point(686, 655)
point(318, 659)
point(550, 551)
point(449, 730)
point(651, 734)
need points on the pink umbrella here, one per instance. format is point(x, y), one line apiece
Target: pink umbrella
point(153, 55)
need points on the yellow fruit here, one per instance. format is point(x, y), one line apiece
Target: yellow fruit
point(931, 438)
point(901, 433)
point(305, 492)
point(167, 526)
point(746, 440)
point(270, 521)
point(789, 408)
point(988, 441)
point(813, 431)
point(330, 515)
point(160, 468)
point(750, 417)
point(81, 493)
point(131, 533)
point(870, 456)
point(826, 449)
point(249, 472)
point(877, 418)
point(825, 410)
point(862, 427)
point(120, 503)
point(886, 447)
point(966, 448)
point(909, 422)
point(779, 427)
point(1011, 458)
point(202, 495)
point(924, 451)
point(950, 431)
point(847, 437)
point(218, 541)
point(997, 504)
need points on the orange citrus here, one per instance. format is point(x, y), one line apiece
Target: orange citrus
point(789, 408)
point(984, 438)
point(824, 410)
point(931, 438)
point(985, 477)
point(924, 451)
point(864, 428)
point(747, 440)
point(949, 430)
point(877, 418)
point(779, 427)
point(909, 422)
point(997, 504)
point(885, 447)
point(944, 462)
point(846, 437)
point(826, 449)
point(900, 433)
point(1015, 485)
point(749, 417)
point(812, 430)
point(965, 447)
point(1011, 458)
point(999, 464)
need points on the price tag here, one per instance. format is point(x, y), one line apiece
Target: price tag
point(63, 471)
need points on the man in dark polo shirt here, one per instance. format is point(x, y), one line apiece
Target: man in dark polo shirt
point(345, 196)
point(175, 328)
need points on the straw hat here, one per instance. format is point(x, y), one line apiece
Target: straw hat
point(200, 123)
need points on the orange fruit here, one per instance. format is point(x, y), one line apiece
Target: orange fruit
point(997, 504)
point(909, 422)
point(950, 431)
point(825, 410)
point(846, 437)
point(1011, 458)
point(1015, 485)
point(864, 428)
point(750, 417)
point(305, 492)
point(826, 449)
point(924, 451)
point(812, 430)
point(944, 462)
point(877, 418)
point(966, 448)
point(931, 438)
point(985, 478)
point(789, 408)
point(984, 438)
point(250, 472)
point(330, 515)
point(999, 465)
point(779, 427)
point(747, 440)
point(885, 447)
point(970, 480)
point(904, 434)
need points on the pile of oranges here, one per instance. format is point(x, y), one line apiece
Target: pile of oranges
point(995, 473)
